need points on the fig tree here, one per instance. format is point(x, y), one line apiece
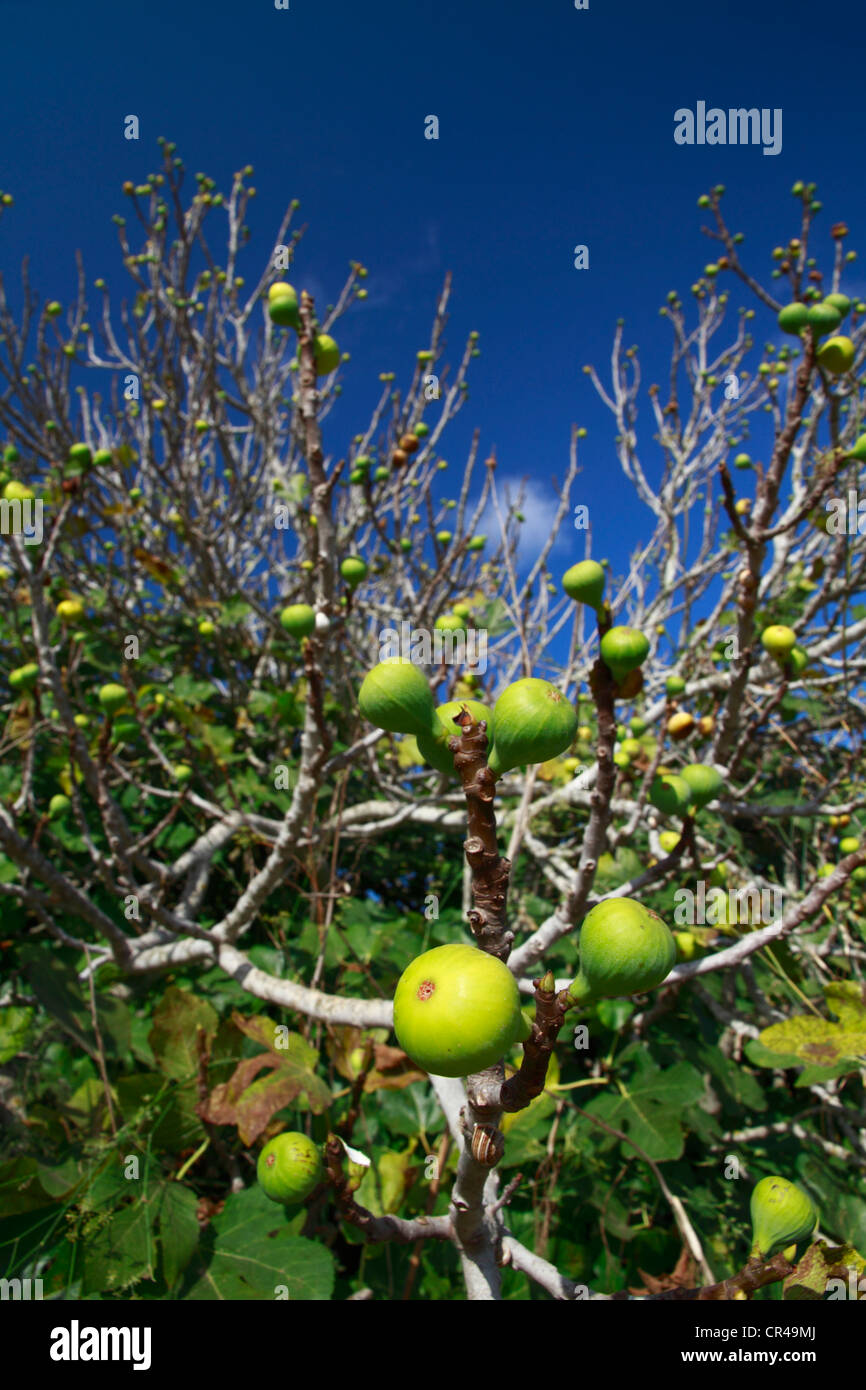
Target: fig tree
point(533, 723)
point(395, 696)
point(457, 1010)
point(782, 1214)
point(585, 582)
point(624, 949)
point(289, 1167)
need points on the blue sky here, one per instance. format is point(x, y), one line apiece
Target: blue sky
point(556, 128)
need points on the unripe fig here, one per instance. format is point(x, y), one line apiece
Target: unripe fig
point(671, 794)
point(837, 356)
point(839, 301)
point(705, 782)
point(669, 839)
point(435, 751)
point(794, 317)
point(450, 622)
point(798, 660)
point(353, 569)
point(623, 650)
point(782, 1214)
point(533, 723)
point(288, 1168)
point(182, 773)
point(823, 318)
point(113, 697)
point(585, 582)
point(742, 461)
point(624, 949)
point(298, 619)
point(395, 696)
point(58, 806)
point(457, 1010)
point(24, 677)
point(778, 641)
point(680, 725)
point(283, 305)
point(632, 747)
point(686, 945)
point(849, 845)
point(326, 354)
point(80, 454)
point(70, 610)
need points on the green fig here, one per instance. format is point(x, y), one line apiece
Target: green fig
point(289, 1167)
point(837, 356)
point(457, 1010)
point(113, 697)
point(742, 461)
point(533, 723)
point(435, 751)
point(623, 650)
point(585, 582)
point(674, 685)
point(58, 806)
point(782, 1214)
point(298, 619)
point(624, 949)
point(80, 454)
point(840, 302)
point(823, 318)
point(671, 794)
point(450, 622)
point(778, 641)
point(353, 569)
point(283, 306)
point(794, 317)
point(326, 354)
point(395, 696)
point(24, 677)
point(798, 660)
point(705, 782)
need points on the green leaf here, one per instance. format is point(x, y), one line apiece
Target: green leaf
point(251, 1257)
point(178, 1228)
point(649, 1106)
point(15, 1028)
